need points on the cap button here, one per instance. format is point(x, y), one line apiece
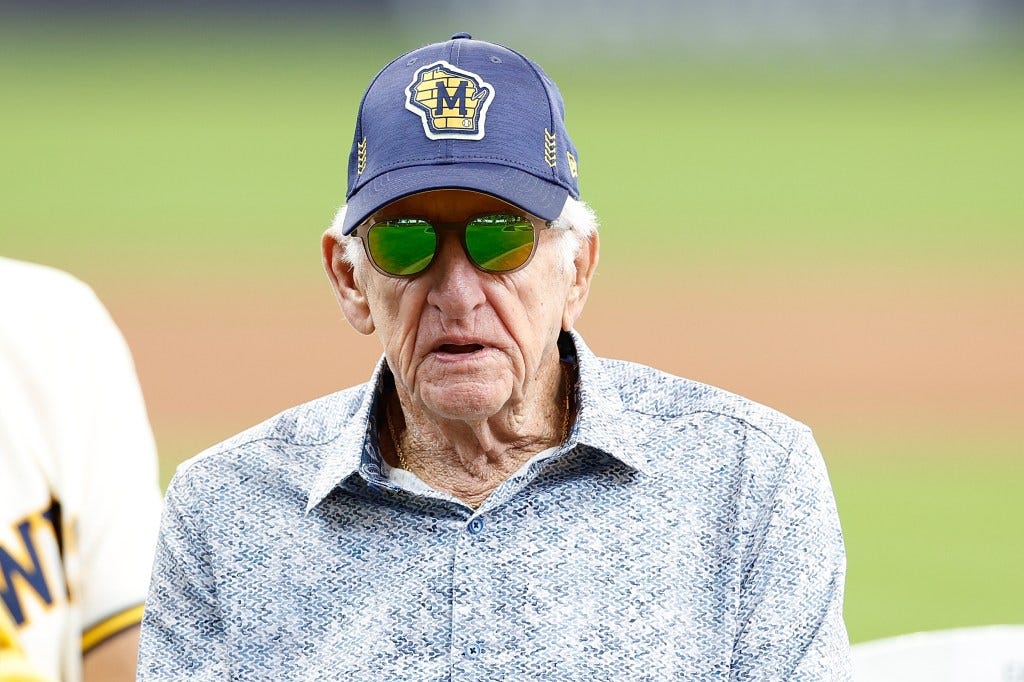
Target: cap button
point(457, 36)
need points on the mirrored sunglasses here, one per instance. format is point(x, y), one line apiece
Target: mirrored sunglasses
point(495, 243)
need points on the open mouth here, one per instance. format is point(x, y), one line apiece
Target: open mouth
point(459, 349)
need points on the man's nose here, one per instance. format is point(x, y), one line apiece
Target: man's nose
point(455, 288)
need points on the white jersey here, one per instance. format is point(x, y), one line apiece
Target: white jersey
point(79, 495)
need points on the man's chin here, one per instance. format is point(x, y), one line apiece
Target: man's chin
point(464, 399)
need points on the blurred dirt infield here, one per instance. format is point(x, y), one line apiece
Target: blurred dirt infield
point(898, 352)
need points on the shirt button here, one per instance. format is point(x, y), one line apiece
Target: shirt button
point(476, 526)
point(474, 650)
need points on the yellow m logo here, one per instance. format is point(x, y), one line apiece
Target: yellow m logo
point(451, 103)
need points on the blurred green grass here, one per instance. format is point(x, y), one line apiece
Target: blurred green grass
point(200, 144)
point(140, 153)
point(932, 535)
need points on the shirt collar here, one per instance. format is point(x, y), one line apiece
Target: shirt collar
point(602, 422)
point(344, 454)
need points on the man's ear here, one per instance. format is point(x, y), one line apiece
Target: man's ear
point(347, 289)
point(585, 264)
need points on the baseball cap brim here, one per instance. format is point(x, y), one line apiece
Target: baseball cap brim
point(538, 196)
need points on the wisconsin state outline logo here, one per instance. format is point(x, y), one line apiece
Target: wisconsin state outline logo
point(452, 103)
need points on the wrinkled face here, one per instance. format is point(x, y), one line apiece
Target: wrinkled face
point(463, 343)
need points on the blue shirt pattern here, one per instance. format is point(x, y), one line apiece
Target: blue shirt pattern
point(681, 532)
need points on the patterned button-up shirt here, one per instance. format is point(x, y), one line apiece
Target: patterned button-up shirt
point(681, 532)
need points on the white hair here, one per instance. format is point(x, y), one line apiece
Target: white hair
point(577, 224)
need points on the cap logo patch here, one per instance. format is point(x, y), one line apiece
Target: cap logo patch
point(573, 166)
point(452, 103)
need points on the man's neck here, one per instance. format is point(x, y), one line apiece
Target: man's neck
point(470, 459)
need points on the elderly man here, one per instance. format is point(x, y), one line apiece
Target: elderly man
point(496, 502)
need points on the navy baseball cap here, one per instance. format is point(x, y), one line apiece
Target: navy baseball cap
point(462, 114)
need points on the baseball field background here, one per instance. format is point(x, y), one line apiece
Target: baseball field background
point(840, 238)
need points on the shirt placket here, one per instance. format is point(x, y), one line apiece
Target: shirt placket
point(472, 649)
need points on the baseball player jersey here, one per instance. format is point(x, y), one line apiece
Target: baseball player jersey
point(79, 495)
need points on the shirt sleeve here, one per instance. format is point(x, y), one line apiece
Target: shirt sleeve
point(182, 630)
point(115, 518)
point(791, 602)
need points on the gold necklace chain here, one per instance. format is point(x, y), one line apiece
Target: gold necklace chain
point(404, 463)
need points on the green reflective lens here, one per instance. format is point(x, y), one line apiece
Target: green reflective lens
point(404, 246)
point(500, 242)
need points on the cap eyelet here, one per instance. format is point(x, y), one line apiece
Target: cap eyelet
point(411, 61)
point(495, 59)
